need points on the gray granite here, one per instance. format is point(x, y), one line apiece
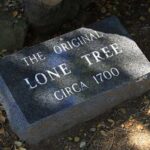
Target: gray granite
point(96, 68)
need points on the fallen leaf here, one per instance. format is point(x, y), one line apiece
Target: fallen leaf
point(112, 122)
point(128, 124)
point(14, 13)
point(2, 118)
point(103, 133)
point(2, 131)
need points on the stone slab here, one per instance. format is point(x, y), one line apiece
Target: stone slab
point(54, 85)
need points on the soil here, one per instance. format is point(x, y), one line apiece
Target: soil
point(127, 126)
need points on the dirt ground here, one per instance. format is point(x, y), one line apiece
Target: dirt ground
point(126, 127)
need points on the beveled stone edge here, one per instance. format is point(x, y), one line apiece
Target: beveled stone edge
point(35, 133)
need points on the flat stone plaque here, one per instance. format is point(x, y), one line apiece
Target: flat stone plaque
point(56, 84)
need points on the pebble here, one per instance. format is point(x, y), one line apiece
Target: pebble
point(82, 144)
point(148, 112)
point(18, 143)
point(76, 139)
point(142, 18)
point(70, 138)
point(139, 127)
point(93, 129)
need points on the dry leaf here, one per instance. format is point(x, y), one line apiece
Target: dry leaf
point(112, 122)
point(101, 124)
point(103, 133)
point(14, 13)
point(128, 124)
point(2, 118)
point(2, 131)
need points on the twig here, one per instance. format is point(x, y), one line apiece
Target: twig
point(112, 141)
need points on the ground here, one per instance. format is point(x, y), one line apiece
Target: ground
point(127, 126)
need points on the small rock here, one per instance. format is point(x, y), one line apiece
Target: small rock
point(70, 138)
point(139, 127)
point(93, 129)
point(148, 112)
point(122, 125)
point(76, 139)
point(18, 143)
point(82, 144)
point(142, 18)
